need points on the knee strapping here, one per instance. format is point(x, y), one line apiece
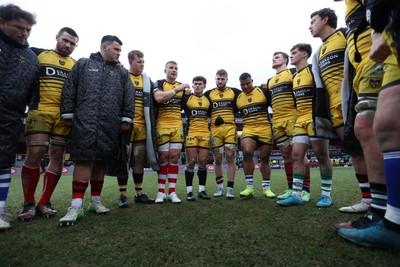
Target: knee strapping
point(139, 150)
point(232, 147)
point(218, 149)
point(37, 143)
point(189, 169)
point(56, 142)
point(366, 105)
point(282, 142)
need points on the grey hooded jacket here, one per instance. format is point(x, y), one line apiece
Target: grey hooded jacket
point(98, 96)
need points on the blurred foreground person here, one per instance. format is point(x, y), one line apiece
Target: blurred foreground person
point(19, 81)
point(383, 17)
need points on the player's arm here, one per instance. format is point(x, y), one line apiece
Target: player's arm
point(267, 95)
point(68, 94)
point(160, 96)
point(378, 12)
point(237, 93)
point(265, 85)
point(378, 17)
point(128, 104)
point(36, 50)
point(184, 101)
point(207, 95)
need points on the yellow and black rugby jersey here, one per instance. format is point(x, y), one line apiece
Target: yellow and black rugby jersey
point(303, 90)
point(254, 106)
point(355, 18)
point(169, 112)
point(54, 69)
point(223, 103)
point(197, 110)
point(137, 81)
point(331, 64)
point(283, 103)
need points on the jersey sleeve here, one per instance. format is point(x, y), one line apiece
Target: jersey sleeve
point(158, 85)
point(378, 11)
point(185, 99)
point(152, 85)
point(237, 93)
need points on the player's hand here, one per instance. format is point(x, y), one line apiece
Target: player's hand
point(380, 49)
point(125, 126)
point(188, 91)
point(68, 122)
point(182, 87)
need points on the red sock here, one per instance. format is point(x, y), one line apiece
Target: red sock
point(364, 186)
point(79, 188)
point(172, 176)
point(30, 178)
point(95, 187)
point(289, 173)
point(162, 177)
point(50, 181)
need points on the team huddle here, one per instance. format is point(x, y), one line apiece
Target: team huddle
point(115, 120)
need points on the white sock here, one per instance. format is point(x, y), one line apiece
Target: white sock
point(2, 206)
point(95, 199)
point(189, 189)
point(77, 202)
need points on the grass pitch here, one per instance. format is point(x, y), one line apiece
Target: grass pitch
point(219, 232)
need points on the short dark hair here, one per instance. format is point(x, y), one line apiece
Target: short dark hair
point(68, 30)
point(133, 53)
point(222, 72)
point(200, 79)
point(244, 76)
point(303, 47)
point(11, 12)
point(284, 55)
point(171, 62)
point(327, 12)
point(110, 39)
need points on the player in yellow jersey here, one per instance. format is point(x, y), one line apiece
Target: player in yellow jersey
point(168, 95)
point(45, 130)
point(383, 17)
point(304, 135)
point(283, 107)
point(197, 141)
point(253, 104)
point(138, 136)
point(328, 64)
point(223, 131)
